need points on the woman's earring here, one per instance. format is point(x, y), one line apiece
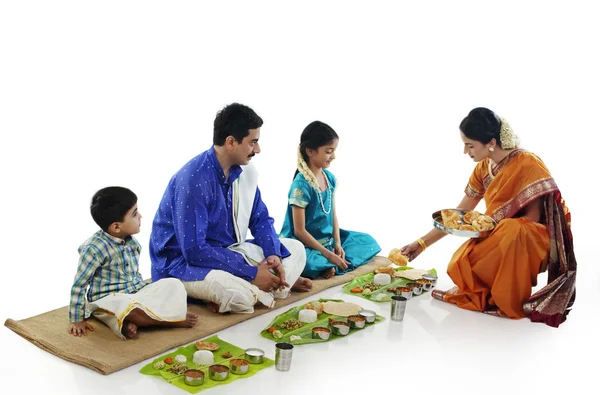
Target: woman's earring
point(491, 149)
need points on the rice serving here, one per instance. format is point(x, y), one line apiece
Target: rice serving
point(382, 279)
point(307, 316)
point(204, 357)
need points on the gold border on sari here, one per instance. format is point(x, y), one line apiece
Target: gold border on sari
point(530, 193)
point(473, 193)
point(489, 177)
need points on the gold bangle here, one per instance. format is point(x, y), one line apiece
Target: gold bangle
point(422, 244)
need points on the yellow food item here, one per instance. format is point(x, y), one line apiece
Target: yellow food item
point(451, 219)
point(385, 270)
point(396, 257)
point(210, 346)
point(314, 305)
point(483, 223)
point(469, 217)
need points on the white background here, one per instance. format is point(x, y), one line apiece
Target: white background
point(124, 93)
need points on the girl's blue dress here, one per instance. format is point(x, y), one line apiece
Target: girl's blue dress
point(360, 247)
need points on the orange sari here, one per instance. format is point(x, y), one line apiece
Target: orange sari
point(495, 275)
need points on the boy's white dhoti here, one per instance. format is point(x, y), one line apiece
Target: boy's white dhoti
point(230, 292)
point(164, 300)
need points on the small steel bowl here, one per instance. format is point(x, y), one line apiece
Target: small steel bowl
point(416, 287)
point(193, 377)
point(432, 278)
point(426, 284)
point(254, 355)
point(218, 372)
point(340, 328)
point(368, 315)
point(407, 292)
point(320, 332)
point(239, 366)
point(356, 321)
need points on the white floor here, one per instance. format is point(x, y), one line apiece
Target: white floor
point(124, 93)
point(437, 347)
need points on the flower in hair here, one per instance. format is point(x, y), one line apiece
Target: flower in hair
point(508, 138)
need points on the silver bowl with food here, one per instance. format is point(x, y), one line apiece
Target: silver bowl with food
point(368, 315)
point(426, 284)
point(407, 292)
point(417, 288)
point(218, 372)
point(193, 377)
point(254, 355)
point(239, 366)
point(321, 333)
point(356, 322)
point(340, 328)
point(463, 223)
point(431, 277)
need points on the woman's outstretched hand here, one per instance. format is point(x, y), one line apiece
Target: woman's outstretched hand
point(411, 250)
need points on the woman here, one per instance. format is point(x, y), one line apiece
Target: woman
point(495, 275)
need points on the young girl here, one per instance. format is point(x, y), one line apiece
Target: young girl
point(311, 216)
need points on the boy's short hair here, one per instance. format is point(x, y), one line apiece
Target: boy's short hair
point(110, 205)
point(235, 120)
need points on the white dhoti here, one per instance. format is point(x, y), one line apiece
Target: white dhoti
point(164, 300)
point(237, 295)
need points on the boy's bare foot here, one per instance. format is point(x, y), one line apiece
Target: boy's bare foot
point(213, 307)
point(302, 285)
point(191, 319)
point(327, 274)
point(129, 329)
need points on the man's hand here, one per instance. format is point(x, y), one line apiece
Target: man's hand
point(265, 280)
point(80, 328)
point(274, 262)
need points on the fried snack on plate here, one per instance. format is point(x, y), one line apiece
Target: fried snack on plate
point(210, 346)
point(396, 257)
point(385, 270)
point(451, 219)
point(314, 305)
point(483, 223)
point(469, 217)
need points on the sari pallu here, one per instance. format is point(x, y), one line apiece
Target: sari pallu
point(491, 274)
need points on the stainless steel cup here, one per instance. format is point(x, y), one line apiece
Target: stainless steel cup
point(283, 356)
point(398, 307)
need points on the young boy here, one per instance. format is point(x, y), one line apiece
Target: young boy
point(108, 282)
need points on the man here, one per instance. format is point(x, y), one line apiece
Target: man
point(199, 231)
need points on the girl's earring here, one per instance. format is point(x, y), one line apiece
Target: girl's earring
point(491, 149)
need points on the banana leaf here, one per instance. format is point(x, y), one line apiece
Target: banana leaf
point(360, 281)
point(305, 332)
point(189, 350)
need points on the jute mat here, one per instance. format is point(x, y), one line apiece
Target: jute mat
point(105, 353)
